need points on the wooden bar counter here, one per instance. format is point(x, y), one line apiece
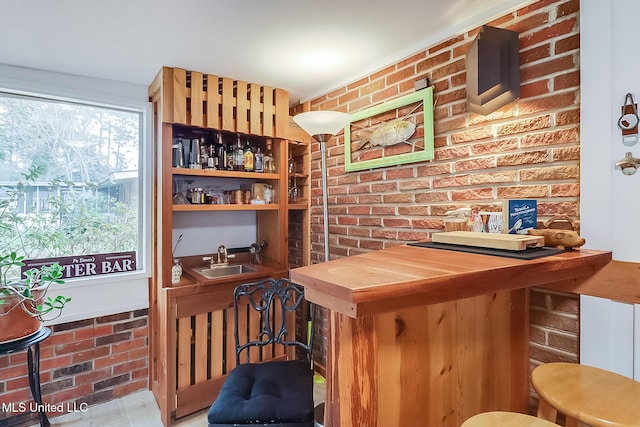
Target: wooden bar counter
point(430, 337)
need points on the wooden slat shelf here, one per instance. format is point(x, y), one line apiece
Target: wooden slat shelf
point(223, 174)
point(238, 207)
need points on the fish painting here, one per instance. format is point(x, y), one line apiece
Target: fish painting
point(391, 133)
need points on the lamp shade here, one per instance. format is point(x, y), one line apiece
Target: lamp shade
point(322, 122)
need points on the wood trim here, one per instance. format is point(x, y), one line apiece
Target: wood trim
point(618, 280)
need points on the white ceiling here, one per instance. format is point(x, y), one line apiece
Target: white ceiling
point(270, 42)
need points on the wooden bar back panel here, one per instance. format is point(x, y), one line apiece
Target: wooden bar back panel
point(432, 365)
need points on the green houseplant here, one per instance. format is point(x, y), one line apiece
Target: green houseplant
point(24, 303)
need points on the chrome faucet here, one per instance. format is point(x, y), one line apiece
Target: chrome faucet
point(223, 256)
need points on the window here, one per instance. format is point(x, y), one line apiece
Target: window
point(70, 182)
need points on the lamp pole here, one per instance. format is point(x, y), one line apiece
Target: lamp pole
point(322, 125)
point(322, 139)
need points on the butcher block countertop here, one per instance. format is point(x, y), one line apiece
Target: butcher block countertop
point(406, 276)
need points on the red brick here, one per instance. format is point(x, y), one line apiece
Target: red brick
point(525, 125)
point(385, 234)
point(397, 198)
point(552, 102)
point(553, 31)
point(413, 210)
point(370, 199)
point(380, 210)
point(476, 134)
point(475, 194)
point(535, 53)
point(566, 153)
point(412, 236)
point(371, 244)
point(396, 222)
point(452, 181)
point(567, 44)
point(568, 117)
point(529, 22)
point(536, 88)
point(565, 190)
point(550, 173)
point(445, 44)
point(523, 158)
point(523, 191)
point(432, 197)
point(550, 138)
point(568, 8)
point(541, 69)
point(494, 177)
point(567, 80)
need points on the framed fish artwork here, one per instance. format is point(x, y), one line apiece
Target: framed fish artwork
point(396, 132)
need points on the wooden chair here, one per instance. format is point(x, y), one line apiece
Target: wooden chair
point(506, 419)
point(271, 393)
point(586, 394)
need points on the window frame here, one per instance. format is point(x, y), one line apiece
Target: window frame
point(95, 296)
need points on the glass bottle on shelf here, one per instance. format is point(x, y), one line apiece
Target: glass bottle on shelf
point(268, 160)
point(249, 158)
point(231, 157)
point(204, 154)
point(178, 154)
point(238, 157)
point(292, 164)
point(259, 162)
point(176, 270)
point(221, 154)
point(213, 156)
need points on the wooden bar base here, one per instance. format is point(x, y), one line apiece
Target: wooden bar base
point(435, 364)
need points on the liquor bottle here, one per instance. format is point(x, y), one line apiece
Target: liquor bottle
point(269, 161)
point(292, 164)
point(238, 157)
point(249, 158)
point(259, 162)
point(231, 157)
point(221, 154)
point(204, 154)
point(178, 154)
point(194, 154)
point(213, 156)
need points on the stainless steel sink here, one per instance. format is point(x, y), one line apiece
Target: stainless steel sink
point(223, 270)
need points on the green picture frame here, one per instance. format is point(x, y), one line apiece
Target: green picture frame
point(416, 149)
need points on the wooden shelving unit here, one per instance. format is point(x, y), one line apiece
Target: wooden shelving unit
point(190, 335)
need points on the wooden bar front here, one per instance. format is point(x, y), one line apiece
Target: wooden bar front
point(430, 337)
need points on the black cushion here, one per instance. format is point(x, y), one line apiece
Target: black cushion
point(265, 393)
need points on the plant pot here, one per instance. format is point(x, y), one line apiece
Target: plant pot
point(15, 323)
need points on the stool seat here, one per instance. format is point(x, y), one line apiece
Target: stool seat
point(586, 394)
point(506, 419)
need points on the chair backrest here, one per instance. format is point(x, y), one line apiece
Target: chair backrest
point(264, 313)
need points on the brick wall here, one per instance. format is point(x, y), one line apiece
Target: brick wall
point(85, 362)
point(529, 148)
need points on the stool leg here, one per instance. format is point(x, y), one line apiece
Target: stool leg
point(572, 422)
point(33, 364)
point(546, 411)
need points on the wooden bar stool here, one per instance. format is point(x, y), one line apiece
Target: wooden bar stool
point(586, 394)
point(506, 419)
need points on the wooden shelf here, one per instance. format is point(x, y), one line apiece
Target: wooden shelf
point(243, 207)
point(299, 205)
point(223, 173)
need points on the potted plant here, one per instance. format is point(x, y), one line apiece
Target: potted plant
point(24, 303)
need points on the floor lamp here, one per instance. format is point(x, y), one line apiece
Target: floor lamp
point(322, 126)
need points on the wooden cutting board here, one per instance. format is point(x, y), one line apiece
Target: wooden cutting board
point(511, 242)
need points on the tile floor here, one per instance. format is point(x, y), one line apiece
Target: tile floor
point(138, 410)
